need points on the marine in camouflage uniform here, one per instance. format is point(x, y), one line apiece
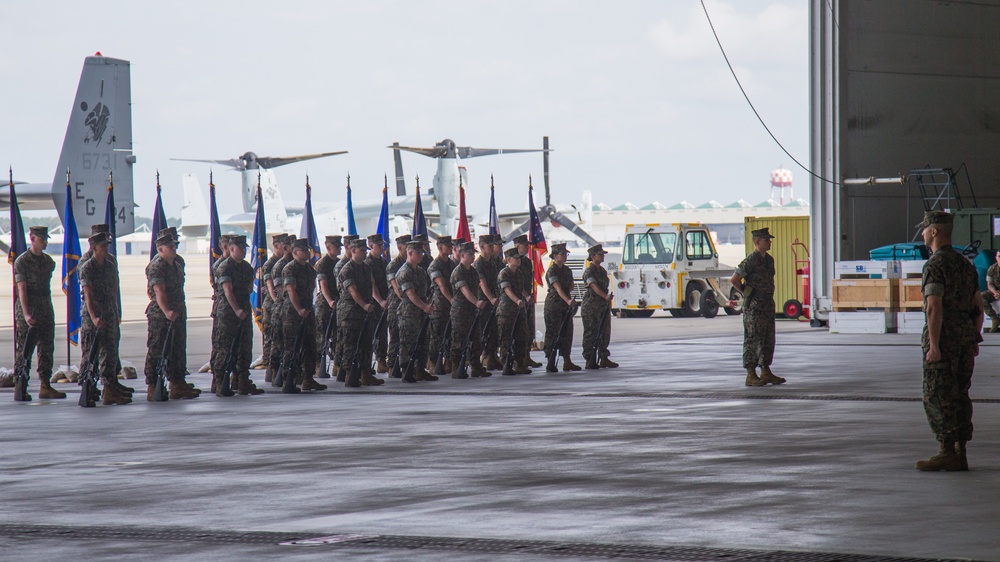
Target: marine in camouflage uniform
point(299, 282)
point(511, 315)
point(950, 342)
point(326, 301)
point(466, 315)
point(33, 277)
point(167, 309)
point(356, 314)
point(595, 308)
point(277, 329)
point(486, 267)
point(339, 348)
point(278, 241)
point(440, 274)
point(375, 260)
point(558, 302)
point(233, 317)
point(100, 316)
point(395, 297)
point(755, 277)
point(526, 274)
point(991, 296)
point(414, 308)
point(216, 296)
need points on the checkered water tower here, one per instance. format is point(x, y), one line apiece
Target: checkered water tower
point(781, 179)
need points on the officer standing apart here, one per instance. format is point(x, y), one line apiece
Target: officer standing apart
point(558, 302)
point(953, 308)
point(526, 274)
point(466, 315)
point(233, 314)
point(100, 319)
point(595, 309)
point(415, 287)
point(440, 272)
point(511, 315)
point(33, 307)
point(754, 277)
point(326, 301)
point(299, 281)
point(167, 312)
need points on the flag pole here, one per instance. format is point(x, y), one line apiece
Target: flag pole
point(68, 362)
point(13, 304)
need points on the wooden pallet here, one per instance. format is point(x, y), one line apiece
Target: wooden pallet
point(910, 296)
point(865, 294)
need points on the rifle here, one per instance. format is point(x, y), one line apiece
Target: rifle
point(411, 364)
point(226, 387)
point(375, 336)
point(467, 348)
point(286, 372)
point(557, 340)
point(488, 328)
point(508, 358)
point(354, 376)
point(599, 333)
point(443, 348)
point(160, 392)
point(22, 371)
point(88, 373)
point(324, 352)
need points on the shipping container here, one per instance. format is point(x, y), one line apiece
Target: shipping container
point(785, 231)
point(977, 224)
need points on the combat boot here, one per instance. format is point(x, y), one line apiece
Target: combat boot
point(767, 377)
point(123, 389)
point(753, 379)
point(111, 396)
point(181, 391)
point(247, 387)
point(493, 362)
point(222, 390)
point(396, 371)
point(17, 390)
point(531, 362)
point(369, 379)
point(424, 376)
point(309, 383)
point(47, 392)
point(568, 364)
point(341, 374)
point(607, 363)
point(455, 372)
point(521, 368)
point(382, 367)
point(430, 366)
point(268, 374)
point(150, 391)
point(591, 363)
point(962, 457)
point(551, 367)
point(947, 459)
point(478, 370)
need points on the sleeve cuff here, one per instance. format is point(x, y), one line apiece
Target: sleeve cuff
point(934, 289)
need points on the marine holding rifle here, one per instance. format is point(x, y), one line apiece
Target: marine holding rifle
point(512, 317)
point(466, 316)
point(754, 277)
point(414, 309)
point(100, 317)
point(327, 296)
point(299, 331)
point(560, 306)
point(357, 314)
point(232, 333)
point(595, 311)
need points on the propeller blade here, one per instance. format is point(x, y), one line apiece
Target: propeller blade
point(234, 163)
point(275, 161)
point(470, 152)
point(550, 213)
point(400, 182)
point(523, 229)
point(545, 168)
point(436, 152)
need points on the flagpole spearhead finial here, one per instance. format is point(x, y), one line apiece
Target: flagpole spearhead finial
point(307, 181)
point(386, 184)
point(157, 180)
point(10, 172)
point(491, 181)
point(529, 182)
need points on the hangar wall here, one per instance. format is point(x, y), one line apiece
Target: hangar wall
point(898, 85)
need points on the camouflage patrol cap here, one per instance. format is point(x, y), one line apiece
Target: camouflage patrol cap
point(237, 240)
point(937, 217)
point(359, 243)
point(375, 239)
point(762, 233)
point(512, 253)
point(559, 249)
point(300, 244)
point(39, 231)
point(445, 241)
point(224, 239)
point(498, 239)
point(598, 249)
point(166, 236)
point(485, 239)
point(420, 238)
point(403, 240)
point(335, 239)
point(459, 240)
point(98, 228)
point(348, 238)
point(416, 246)
point(278, 238)
point(100, 238)
point(467, 248)
point(522, 239)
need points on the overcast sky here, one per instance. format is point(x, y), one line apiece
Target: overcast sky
point(634, 95)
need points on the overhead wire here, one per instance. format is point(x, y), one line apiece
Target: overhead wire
point(752, 107)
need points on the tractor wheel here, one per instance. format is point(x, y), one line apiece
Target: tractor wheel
point(792, 309)
point(692, 300)
point(709, 306)
point(738, 309)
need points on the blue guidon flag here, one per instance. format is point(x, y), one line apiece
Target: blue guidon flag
point(383, 219)
point(419, 221)
point(258, 255)
point(214, 231)
point(70, 274)
point(18, 245)
point(352, 227)
point(159, 219)
point(110, 216)
point(494, 218)
point(308, 229)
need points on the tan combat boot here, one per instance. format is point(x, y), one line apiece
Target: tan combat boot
point(424, 376)
point(47, 392)
point(521, 368)
point(455, 373)
point(568, 365)
point(531, 362)
point(753, 379)
point(947, 459)
point(309, 383)
point(478, 370)
point(110, 395)
point(150, 390)
point(369, 379)
point(493, 362)
point(767, 377)
point(181, 391)
point(382, 367)
point(607, 363)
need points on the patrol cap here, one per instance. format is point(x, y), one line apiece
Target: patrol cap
point(166, 236)
point(459, 241)
point(485, 239)
point(224, 239)
point(301, 244)
point(445, 241)
point(348, 238)
point(100, 238)
point(522, 239)
point(416, 246)
point(335, 239)
point(559, 248)
point(359, 243)
point(403, 240)
point(375, 239)
point(598, 249)
point(278, 238)
point(937, 217)
point(96, 228)
point(419, 238)
point(498, 239)
point(467, 248)
point(237, 240)
point(40, 231)
point(512, 253)
point(762, 233)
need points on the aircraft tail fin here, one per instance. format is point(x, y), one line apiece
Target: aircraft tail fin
point(275, 214)
point(194, 212)
point(98, 142)
point(400, 181)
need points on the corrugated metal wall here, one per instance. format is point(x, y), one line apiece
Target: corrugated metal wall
point(785, 230)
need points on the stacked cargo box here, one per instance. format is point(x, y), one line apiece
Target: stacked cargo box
point(865, 297)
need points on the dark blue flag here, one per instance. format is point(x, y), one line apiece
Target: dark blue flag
point(383, 220)
point(258, 255)
point(110, 216)
point(214, 230)
point(494, 218)
point(308, 228)
point(352, 228)
point(159, 219)
point(18, 245)
point(70, 274)
point(419, 221)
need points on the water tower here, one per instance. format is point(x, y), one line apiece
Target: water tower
point(780, 180)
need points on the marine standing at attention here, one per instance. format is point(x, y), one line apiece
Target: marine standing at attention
point(754, 277)
point(415, 287)
point(100, 317)
point(270, 293)
point(377, 263)
point(558, 301)
point(233, 314)
point(440, 273)
point(395, 296)
point(356, 314)
point(278, 342)
point(953, 309)
point(299, 281)
point(326, 301)
point(526, 274)
point(466, 317)
point(486, 266)
point(511, 315)
point(594, 309)
point(33, 307)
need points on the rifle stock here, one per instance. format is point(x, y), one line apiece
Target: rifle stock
point(226, 386)
point(488, 328)
point(411, 364)
point(286, 373)
point(324, 352)
point(599, 333)
point(443, 348)
point(160, 391)
point(22, 371)
point(375, 337)
point(88, 378)
point(508, 358)
point(553, 352)
point(463, 362)
point(354, 376)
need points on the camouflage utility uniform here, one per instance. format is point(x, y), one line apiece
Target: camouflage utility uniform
point(171, 276)
point(324, 272)
point(488, 271)
point(757, 270)
point(392, 349)
point(103, 283)
point(228, 325)
point(277, 328)
point(526, 276)
point(511, 319)
point(556, 308)
point(592, 309)
point(354, 322)
point(410, 315)
point(465, 317)
point(441, 268)
point(946, 383)
point(301, 278)
point(36, 273)
point(338, 350)
point(265, 321)
point(378, 267)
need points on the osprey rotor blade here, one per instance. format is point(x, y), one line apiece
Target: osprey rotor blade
point(550, 213)
point(275, 161)
point(470, 152)
point(234, 163)
point(436, 152)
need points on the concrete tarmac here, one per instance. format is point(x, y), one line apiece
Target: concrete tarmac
point(667, 457)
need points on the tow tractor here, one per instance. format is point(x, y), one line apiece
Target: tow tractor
point(672, 267)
